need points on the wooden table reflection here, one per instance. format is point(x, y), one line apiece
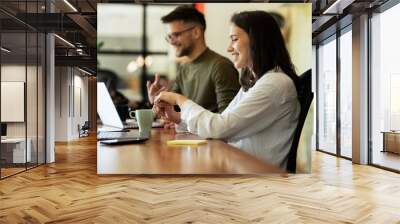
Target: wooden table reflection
point(155, 157)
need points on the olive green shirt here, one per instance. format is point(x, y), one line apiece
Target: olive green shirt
point(210, 80)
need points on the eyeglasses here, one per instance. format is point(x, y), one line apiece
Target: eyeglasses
point(173, 36)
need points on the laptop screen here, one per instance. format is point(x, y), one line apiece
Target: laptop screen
point(3, 129)
point(106, 109)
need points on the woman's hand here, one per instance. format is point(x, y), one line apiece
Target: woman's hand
point(164, 106)
point(168, 124)
point(167, 113)
point(170, 98)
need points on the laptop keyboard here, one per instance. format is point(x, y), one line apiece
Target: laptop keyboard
point(115, 135)
point(130, 125)
point(156, 124)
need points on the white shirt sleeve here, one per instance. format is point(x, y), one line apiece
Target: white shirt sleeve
point(255, 111)
point(234, 101)
point(181, 127)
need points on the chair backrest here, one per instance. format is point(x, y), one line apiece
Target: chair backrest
point(86, 125)
point(305, 95)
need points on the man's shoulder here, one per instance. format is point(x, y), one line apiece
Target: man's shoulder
point(219, 59)
point(221, 64)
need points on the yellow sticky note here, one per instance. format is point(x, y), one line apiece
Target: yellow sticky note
point(186, 142)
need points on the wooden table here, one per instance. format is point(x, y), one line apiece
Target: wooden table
point(391, 141)
point(14, 151)
point(155, 157)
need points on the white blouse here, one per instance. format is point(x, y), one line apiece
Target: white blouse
point(260, 121)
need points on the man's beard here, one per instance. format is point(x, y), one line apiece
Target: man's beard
point(185, 51)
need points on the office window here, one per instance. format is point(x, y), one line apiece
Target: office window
point(32, 95)
point(14, 147)
point(346, 94)
point(327, 96)
point(314, 86)
point(125, 73)
point(41, 96)
point(164, 61)
point(385, 89)
point(156, 31)
point(22, 93)
point(135, 49)
point(120, 27)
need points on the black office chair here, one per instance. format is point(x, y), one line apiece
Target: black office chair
point(306, 96)
point(84, 130)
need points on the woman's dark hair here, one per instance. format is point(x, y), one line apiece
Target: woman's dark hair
point(187, 14)
point(267, 47)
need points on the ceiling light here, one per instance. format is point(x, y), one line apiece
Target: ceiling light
point(65, 41)
point(84, 71)
point(5, 50)
point(337, 7)
point(79, 45)
point(70, 5)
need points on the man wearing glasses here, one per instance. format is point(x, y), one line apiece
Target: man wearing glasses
point(205, 77)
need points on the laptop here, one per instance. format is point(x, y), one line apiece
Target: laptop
point(3, 131)
point(109, 115)
point(113, 128)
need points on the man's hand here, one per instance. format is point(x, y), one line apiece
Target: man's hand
point(153, 89)
point(168, 124)
point(170, 98)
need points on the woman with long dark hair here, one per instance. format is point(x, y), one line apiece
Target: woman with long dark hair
point(262, 118)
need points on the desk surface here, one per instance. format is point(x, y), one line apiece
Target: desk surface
point(13, 140)
point(391, 132)
point(155, 157)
